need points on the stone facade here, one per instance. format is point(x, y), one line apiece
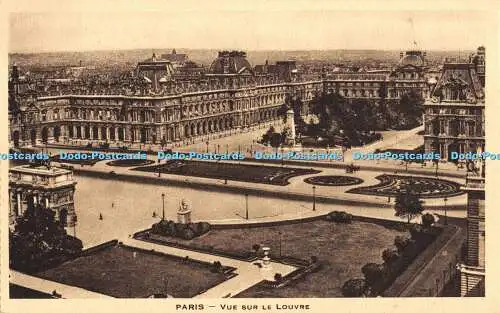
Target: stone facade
point(454, 119)
point(52, 188)
point(472, 272)
point(162, 110)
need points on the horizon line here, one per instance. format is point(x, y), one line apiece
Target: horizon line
point(239, 49)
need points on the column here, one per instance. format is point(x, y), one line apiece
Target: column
point(19, 204)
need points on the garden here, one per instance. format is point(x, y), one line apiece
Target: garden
point(125, 272)
point(339, 243)
point(423, 187)
point(273, 175)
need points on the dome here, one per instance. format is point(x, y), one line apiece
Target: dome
point(415, 58)
point(230, 62)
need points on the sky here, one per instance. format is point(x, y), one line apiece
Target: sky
point(247, 30)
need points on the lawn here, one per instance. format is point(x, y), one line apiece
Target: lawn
point(273, 175)
point(343, 248)
point(116, 272)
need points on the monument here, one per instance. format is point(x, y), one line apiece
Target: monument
point(290, 128)
point(184, 212)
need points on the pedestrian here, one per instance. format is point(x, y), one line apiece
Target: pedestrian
point(100, 216)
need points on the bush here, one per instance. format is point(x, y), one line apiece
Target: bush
point(373, 272)
point(339, 217)
point(217, 267)
point(179, 230)
point(355, 288)
point(390, 255)
point(428, 220)
point(401, 243)
point(278, 277)
point(187, 234)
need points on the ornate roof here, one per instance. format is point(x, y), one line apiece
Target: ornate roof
point(231, 62)
point(458, 82)
point(413, 57)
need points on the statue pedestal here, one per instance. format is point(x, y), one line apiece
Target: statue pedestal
point(266, 260)
point(184, 217)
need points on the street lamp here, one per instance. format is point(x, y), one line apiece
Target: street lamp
point(314, 198)
point(445, 211)
point(207, 145)
point(279, 234)
point(163, 210)
point(246, 206)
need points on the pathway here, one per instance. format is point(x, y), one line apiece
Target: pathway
point(48, 286)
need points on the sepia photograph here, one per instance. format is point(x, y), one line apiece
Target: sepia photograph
point(263, 152)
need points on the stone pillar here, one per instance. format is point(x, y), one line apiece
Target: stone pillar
point(266, 260)
point(19, 204)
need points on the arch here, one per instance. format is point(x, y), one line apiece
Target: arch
point(15, 138)
point(70, 131)
point(95, 132)
point(104, 133)
point(112, 133)
point(78, 132)
point(198, 128)
point(205, 130)
point(121, 135)
point(143, 135)
point(193, 130)
point(57, 133)
point(45, 135)
point(453, 147)
point(87, 132)
point(63, 217)
point(33, 136)
point(186, 130)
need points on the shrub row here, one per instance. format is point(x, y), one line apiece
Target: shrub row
point(339, 217)
point(180, 230)
point(378, 277)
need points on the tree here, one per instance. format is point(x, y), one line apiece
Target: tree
point(401, 243)
point(373, 273)
point(408, 206)
point(390, 255)
point(38, 240)
point(278, 277)
point(256, 248)
point(355, 288)
point(427, 220)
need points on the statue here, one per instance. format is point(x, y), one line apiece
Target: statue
point(184, 212)
point(184, 206)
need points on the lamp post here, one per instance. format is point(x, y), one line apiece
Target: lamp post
point(207, 145)
point(279, 234)
point(281, 147)
point(163, 209)
point(445, 211)
point(246, 206)
point(314, 198)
